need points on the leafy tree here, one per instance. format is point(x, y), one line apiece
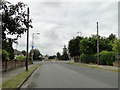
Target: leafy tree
point(5, 55)
point(116, 46)
point(65, 55)
point(36, 54)
point(73, 46)
point(52, 57)
point(14, 19)
point(8, 47)
point(14, 22)
point(88, 45)
point(112, 37)
point(58, 55)
point(105, 44)
point(24, 52)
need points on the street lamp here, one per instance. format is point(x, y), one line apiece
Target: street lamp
point(33, 44)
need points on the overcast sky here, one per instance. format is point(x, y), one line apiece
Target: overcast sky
point(58, 22)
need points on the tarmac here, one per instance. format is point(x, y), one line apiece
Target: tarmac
point(11, 73)
point(4, 76)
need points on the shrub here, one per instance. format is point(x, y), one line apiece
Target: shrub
point(88, 58)
point(20, 58)
point(107, 57)
point(116, 46)
point(29, 58)
point(5, 55)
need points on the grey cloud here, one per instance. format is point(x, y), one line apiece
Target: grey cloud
point(59, 22)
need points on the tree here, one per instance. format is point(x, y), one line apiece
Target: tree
point(65, 55)
point(14, 22)
point(36, 54)
point(8, 47)
point(5, 55)
point(24, 52)
point(116, 46)
point(88, 45)
point(105, 44)
point(52, 57)
point(58, 55)
point(73, 46)
point(112, 37)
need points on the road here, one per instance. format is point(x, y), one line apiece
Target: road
point(62, 75)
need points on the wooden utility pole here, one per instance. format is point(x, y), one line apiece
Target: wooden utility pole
point(97, 44)
point(27, 39)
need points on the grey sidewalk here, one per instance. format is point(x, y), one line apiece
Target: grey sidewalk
point(11, 73)
point(101, 66)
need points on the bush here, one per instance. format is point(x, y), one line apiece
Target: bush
point(20, 58)
point(29, 58)
point(5, 55)
point(88, 58)
point(107, 57)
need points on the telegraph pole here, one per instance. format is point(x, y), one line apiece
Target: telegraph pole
point(27, 40)
point(97, 44)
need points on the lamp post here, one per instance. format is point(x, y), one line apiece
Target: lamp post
point(33, 44)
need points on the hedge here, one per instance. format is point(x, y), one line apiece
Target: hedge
point(88, 58)
point(20, 58)
point(107, 57)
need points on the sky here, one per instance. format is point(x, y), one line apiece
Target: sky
point(58, 22)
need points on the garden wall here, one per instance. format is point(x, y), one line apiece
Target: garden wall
point(12, 64)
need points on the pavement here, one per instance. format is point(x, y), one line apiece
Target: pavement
point(11, 73)
point(62, 75)
point(101, 66)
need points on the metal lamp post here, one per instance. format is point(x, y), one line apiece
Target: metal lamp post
point(33, 44)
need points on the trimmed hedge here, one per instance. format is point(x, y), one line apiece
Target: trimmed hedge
point(88, 58)
point(107, 57)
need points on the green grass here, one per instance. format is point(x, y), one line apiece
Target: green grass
point(49, 60)
point(18, 79)
point(114, 70)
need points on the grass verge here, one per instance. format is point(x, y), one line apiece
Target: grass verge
point(16, 80)
point(114, 70)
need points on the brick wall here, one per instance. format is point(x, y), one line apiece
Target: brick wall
point(12, 64)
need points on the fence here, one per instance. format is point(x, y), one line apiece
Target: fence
point(12, 64)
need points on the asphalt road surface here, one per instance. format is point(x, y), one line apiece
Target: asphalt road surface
point(62, 75)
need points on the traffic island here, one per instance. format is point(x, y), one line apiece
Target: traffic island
point(18, 80)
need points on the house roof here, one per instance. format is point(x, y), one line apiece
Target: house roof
point(16, 52)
